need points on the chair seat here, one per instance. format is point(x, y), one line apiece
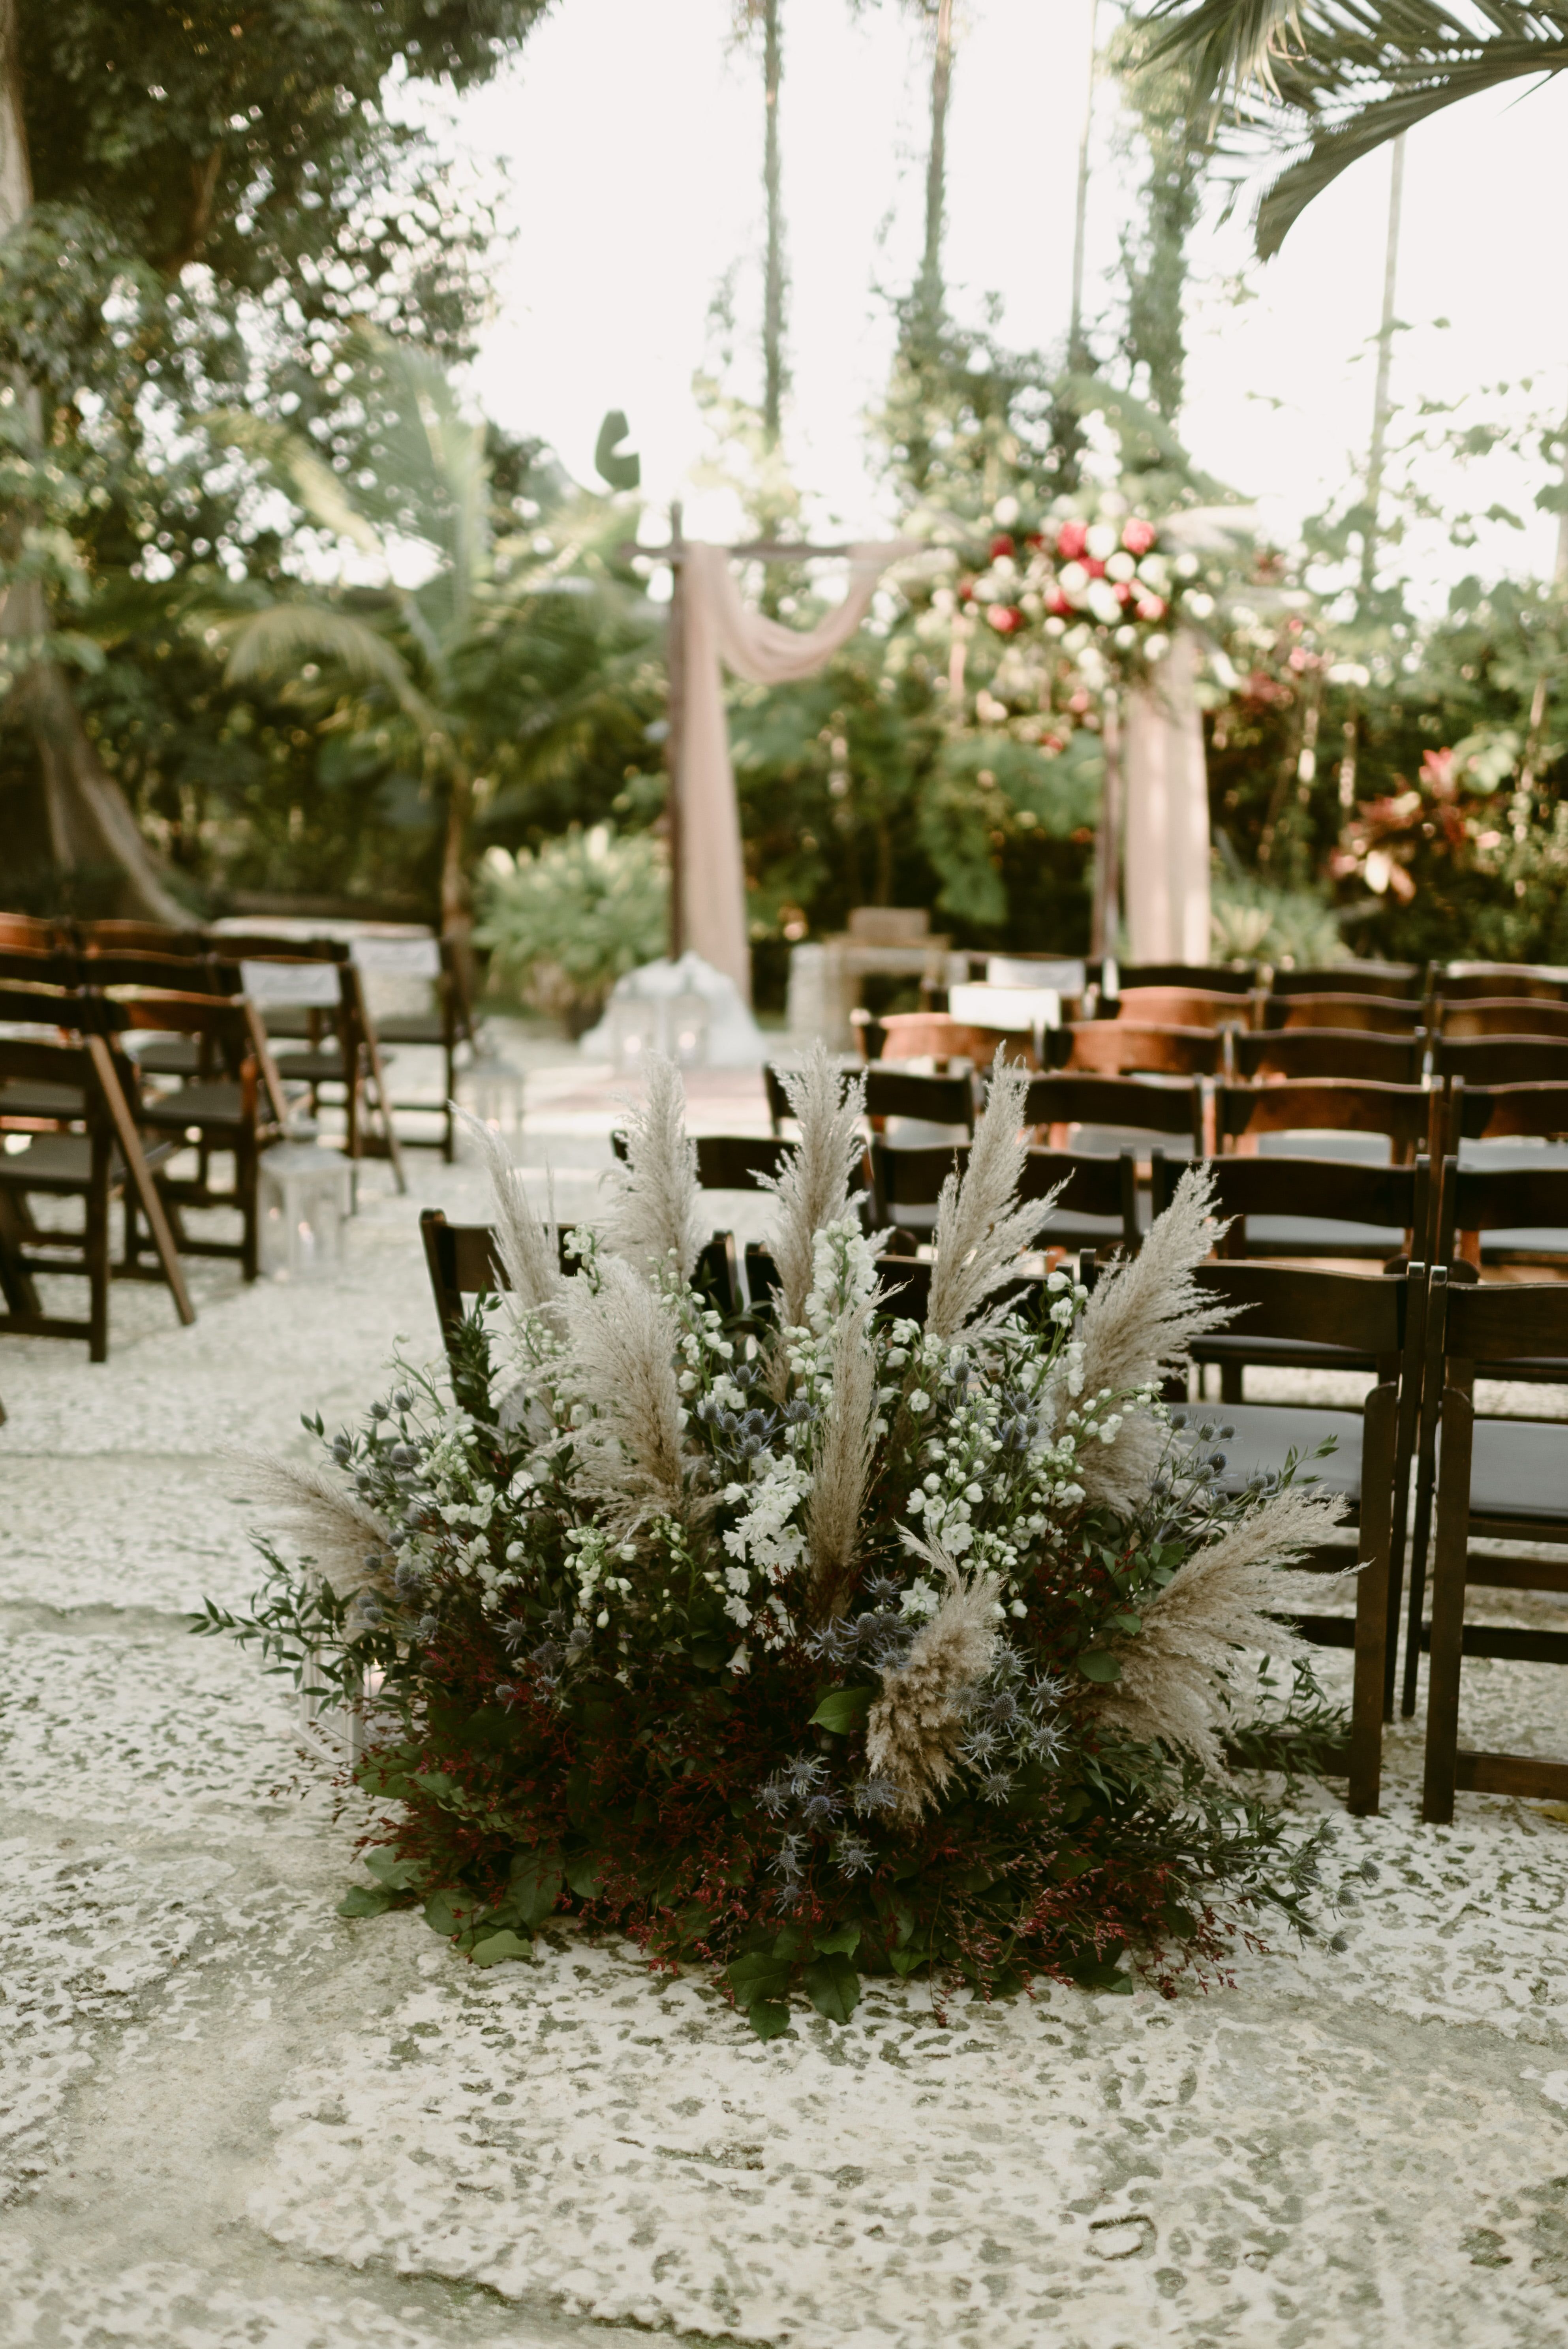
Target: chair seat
point(1280, 1353)
point(1496, 1247)
point(1519, 1468)
point(218, 1104)
point(315, 1065)
point(1319, 1236)
point(22, 1098)
point(1265, 1432)
point(1326, 1142)
point(412, 1027)
point(170, 1056)
point(63, 1163)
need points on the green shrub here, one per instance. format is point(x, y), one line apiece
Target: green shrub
point(562, 926)
point(1253, 921)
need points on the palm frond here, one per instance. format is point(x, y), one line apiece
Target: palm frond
point(269, 644)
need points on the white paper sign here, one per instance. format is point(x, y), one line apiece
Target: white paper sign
point(415, 957)
point(314, 983)
point(1016, 1010)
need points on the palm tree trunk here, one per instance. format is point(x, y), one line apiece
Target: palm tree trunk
point(774, 285)
point(89, 818)
point(1380, 404)
point(456, 905)
point(1077, 354)
point(932, 292)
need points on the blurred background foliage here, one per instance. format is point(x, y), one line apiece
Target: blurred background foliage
point(332, 659)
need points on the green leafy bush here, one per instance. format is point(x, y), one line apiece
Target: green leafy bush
point(562, 926)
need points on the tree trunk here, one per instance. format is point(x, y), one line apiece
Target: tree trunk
point(89, 818)
point(774, 285)
point(932, 292)
point(1380, 404)
point(456, 909)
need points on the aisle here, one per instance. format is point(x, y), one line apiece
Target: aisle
point(229, 2116)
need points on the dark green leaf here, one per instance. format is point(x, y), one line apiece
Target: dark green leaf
point(904, 1962)
point(844, 1939)
point(758, 1975)
point(769, 2018)
point(497, 1946)
point(365, 1901)
point(536, 1885)
point(438, 1914)
point(397, 1875)
point(585, 1875)
point(833, 1987)
point(1100, 1664)
point(843, 1710)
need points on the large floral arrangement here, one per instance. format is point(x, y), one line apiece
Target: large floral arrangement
point(816, 1645)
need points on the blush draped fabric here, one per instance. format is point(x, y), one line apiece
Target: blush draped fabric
point(1166, 863)
point(719, 628)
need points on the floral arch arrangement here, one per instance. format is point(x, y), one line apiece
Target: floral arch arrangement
point(807, 1647)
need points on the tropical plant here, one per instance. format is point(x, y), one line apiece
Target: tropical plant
point(194, 199)
point(431, 660)
point(1342, 77)
point(562, 926)
point(819, 1644)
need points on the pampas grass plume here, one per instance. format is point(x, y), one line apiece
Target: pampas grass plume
point(980, 1226)
point(914, 1726)
point(843, 1465)
point(1174, 1671)
point(529, 1249)
point(653, 1208)
point(620, 1341)
point(814, 1188)
point(338, 1529)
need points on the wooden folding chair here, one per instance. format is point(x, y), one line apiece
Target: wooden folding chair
point(1403, 1114)
point(1373, 1015)
point(1187, 1006)
point(232, 1106)
point(32, 932)
point(1117, 1110)
point(1493, 1060)
point(1379, 1320)
point(1498, 1480)
point(103, 1161)
point(1405, 981)
point(338, 1045)
point(1127, 1048)
point(448, 1026)
point(462, 1263)
point(1492, 1016)
point(900, 1093)
point(1473, 982)
point(138, 938)
point(1354, 1056)
point(1212, 978)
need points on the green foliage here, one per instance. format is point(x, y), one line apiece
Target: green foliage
point(1254, 921)
point(564, 924)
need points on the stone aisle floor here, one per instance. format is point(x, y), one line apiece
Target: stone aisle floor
point(227, 2116)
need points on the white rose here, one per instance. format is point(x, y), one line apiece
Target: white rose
point(1120, 566)
point(1155, 572)
point(1200, 604)
point(1072, 579)
point(1101, 540)
point(1103, 601)
point(1156, 647)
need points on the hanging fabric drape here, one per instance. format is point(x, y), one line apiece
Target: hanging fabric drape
point(719, 629)
point(1165, 859)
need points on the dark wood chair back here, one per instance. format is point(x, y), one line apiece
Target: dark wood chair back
point(37, 966)
point(734, 1162)
point(38, 1006)
point(1500, 1481)
point(32, 932)
point(1508, 1015)
point(1119, 1104)
point(1244, 1114)
point(1486, 982)
point(1375, 1015)
point(1212, 978)
point(1476, 1200)
point(779, 1110)
point(1186, 1006)
point(1354, 1055)
point(1379, 1321)
point(1388, 1202)
point(105, 1158)
point(1404, 980)
point(138, 938)
point(1117, 1047)
point(1493, 1060)
point(1489, 1113)
point(901, 1093)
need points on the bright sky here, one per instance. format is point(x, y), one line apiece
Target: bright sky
point(632, 140)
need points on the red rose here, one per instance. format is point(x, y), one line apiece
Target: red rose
point(1150, 608)
point(966, 592)
point(1124, 591)
point(1094, 566)
point(1000, 546)
point(1058, 606)
point(1070, 541)
point(1033, 539)
point(1138, 535)
point(1004, 617)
